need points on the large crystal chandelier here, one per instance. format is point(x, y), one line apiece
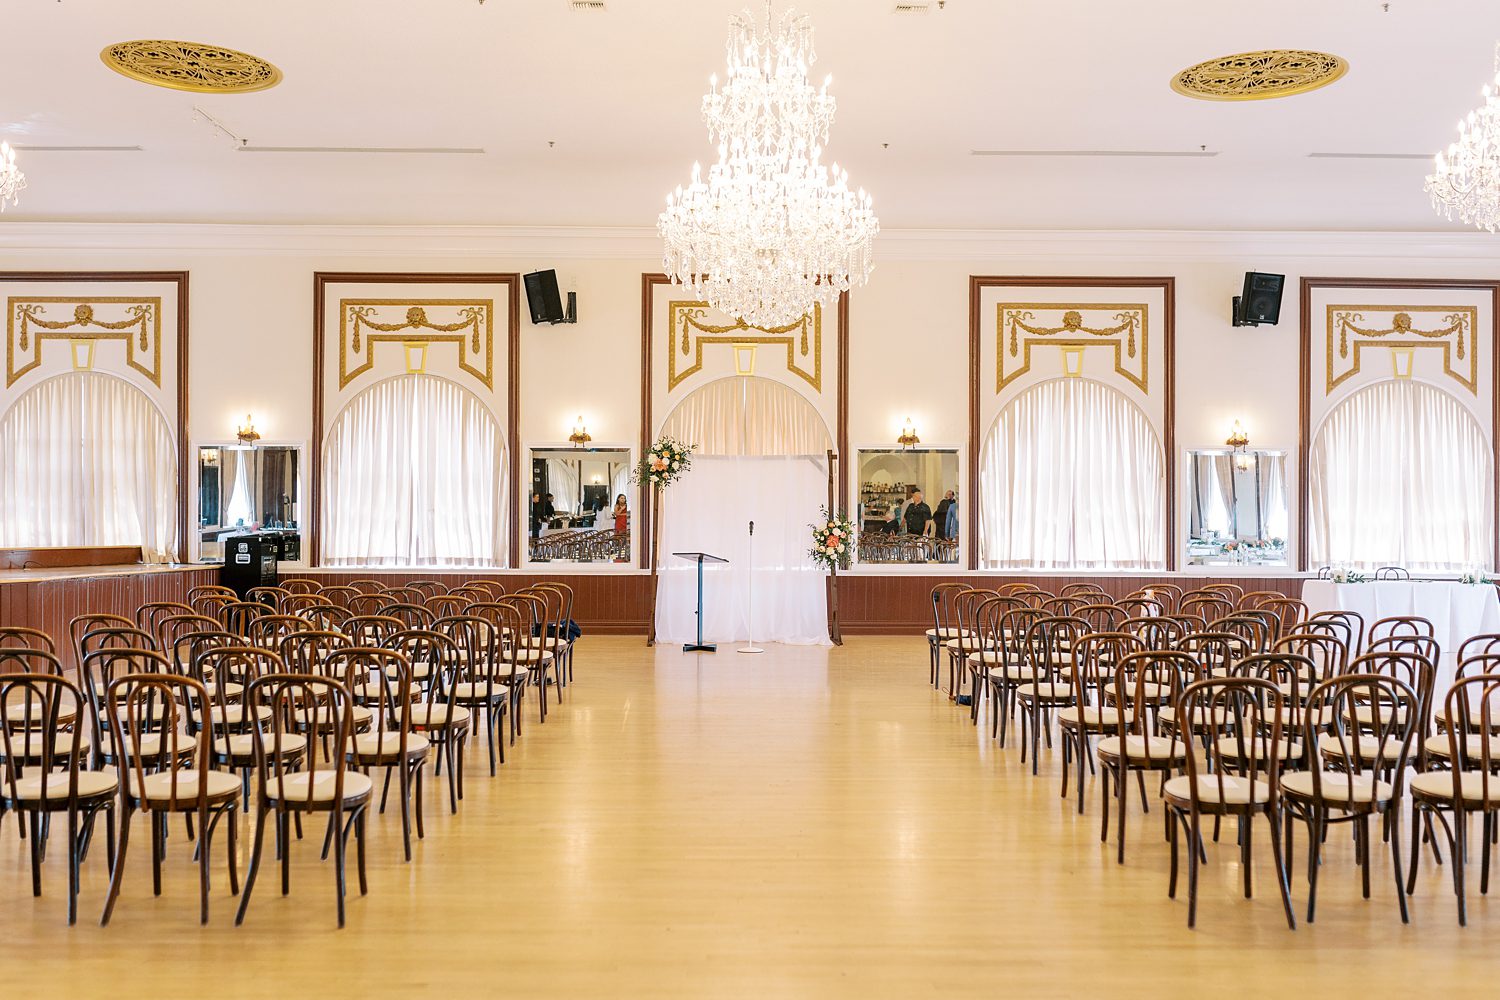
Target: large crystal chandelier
point(1466, 179)
point(772, 231)
point(11, 178)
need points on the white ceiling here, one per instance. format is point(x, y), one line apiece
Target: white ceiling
point(619, 93)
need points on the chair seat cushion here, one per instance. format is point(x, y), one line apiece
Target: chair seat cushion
point(947, 633)
point(1144, 749)
point(986, 657)
point(525, 655)
point(299, 786)
point(91, 784)
point(1338, 787)
point(1473, 747)
point(384, 744)
point(242, 745)
point(436, 716)
point(1228, 789)
point(470, 693)
point(238, 714)
point(1045, 691)
point(1255, 748)
point(28, 744)
point(158, 787)
point(1091, 715)
point(1472, 785)
point(148, 744)
point(1367, 746)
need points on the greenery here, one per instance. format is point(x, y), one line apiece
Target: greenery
point(663, 464)
point(833, 540)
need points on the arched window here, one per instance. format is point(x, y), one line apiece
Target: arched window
point(1400, 475)
point(413, 475)
point(87, 459)
point(1071, 476)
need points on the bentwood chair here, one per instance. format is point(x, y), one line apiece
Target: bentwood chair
point(1359, 784)
point(482, 683)
point(1468, 785)
point(21, 637)
point(1248, 710)
point(166, 771)
point(1048, 649)
point(535, 644)
point(343, 595)
point(41, 771)
point(1351, 622)
point(82, 625)
point(299, 704)
point(1141, 682)
point(1095, 710)
point(945, 623)
point(101, 669)
point(390, 743)
point(1015, 667)
point(148, 615)
point(228, 672)
point(988, 652)
point(439, 719)
point(301, 586)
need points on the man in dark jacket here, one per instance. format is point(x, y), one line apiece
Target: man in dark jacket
point(918, 514)
point(940, 516)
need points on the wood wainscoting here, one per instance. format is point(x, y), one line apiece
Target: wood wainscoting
point(49, 604)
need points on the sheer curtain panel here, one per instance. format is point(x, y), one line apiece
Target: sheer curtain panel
point(88, 460)
point(1072, 477)
point(413, 475)
point(1400, 476)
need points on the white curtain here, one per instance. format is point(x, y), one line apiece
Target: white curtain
point(1400, 476)
point(761, 456)
point(562, 483)
point(1071, 477)
point(1274, 522)
point(709, 510)
point(414, 475)
point(241, 508)
point(748, 416)
point(88, 460)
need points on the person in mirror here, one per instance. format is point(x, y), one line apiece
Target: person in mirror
point(950, 522)
point(548, 511)
point(622, 514)
point(918, 516)
point(940, 516)
point(536, 515)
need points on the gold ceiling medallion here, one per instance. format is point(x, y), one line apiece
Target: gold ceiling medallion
point(467, 323)
point(191, 66)
point(1259, 76)
point(1450, 329)
point(135, 322)
point(691, 330)
point(1025, 325)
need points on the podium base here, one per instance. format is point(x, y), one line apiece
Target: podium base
point(700, 647)
point(749, 649)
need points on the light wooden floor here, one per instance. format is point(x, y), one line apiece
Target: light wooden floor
point(805, 823)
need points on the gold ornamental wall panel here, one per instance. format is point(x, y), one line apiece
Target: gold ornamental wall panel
point(34, 320)
point(691, 332)
point(1351, 329)
point(367, 324)
point(1121, 328)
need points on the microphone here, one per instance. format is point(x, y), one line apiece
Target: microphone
point(752, 527)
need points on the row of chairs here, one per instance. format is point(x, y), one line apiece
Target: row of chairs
point(180, 712)
point(582, 545)
point(1265, 711)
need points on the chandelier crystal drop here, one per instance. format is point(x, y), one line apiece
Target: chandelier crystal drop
point(1465, 182)
point(12, 181)
point(771, 231)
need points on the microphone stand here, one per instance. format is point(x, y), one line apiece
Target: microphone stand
point(751, 647)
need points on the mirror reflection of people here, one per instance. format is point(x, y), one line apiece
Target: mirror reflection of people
point(622, 514)
point(950, 525)
point(918, 516)
point(536, 515)
point(940, 516)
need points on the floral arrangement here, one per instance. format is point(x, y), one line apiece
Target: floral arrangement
point(833, 541)
point(663, 464)
point(1474, 576)
point(1343, 574)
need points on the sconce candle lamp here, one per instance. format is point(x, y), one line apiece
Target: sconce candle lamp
point(580, 435)
point(1239, 442)
point(908, 435)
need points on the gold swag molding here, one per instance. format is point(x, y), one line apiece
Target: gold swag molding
point(1021, 326)
point(469, 324)
point(690, 331)
point(137, 325)
point(1450, 330)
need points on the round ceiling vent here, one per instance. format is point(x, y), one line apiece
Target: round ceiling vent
point(1259, 76)
point(192, 66)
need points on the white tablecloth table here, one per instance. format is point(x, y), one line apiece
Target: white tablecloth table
point(1457, 611)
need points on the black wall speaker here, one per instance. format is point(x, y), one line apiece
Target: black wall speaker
point(1259, 301)
point(542, 297)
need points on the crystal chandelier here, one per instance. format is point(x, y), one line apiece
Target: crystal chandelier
point(1465, 181)
point(772, 231)
point(11, 178)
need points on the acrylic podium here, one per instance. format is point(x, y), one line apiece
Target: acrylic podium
point(700, 558)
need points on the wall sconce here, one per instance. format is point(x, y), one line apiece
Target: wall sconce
point(908, 435)
point(83, 353)
point(580, 435)
point(1401, 361)
point(744, 359)
point(1239, 441)
point(1072, 362)
point(247, 434)
point(416, 356)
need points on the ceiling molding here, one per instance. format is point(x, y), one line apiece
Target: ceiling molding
point(47, 239)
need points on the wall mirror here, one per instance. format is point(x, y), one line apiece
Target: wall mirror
point(1237, 508)
point(245, 489)
point(581, 505)
point(896, 525)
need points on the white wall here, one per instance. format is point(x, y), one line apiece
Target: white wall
point(251, 314)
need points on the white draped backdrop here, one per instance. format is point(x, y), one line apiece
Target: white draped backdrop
point(761, 457)
point(86, 459)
